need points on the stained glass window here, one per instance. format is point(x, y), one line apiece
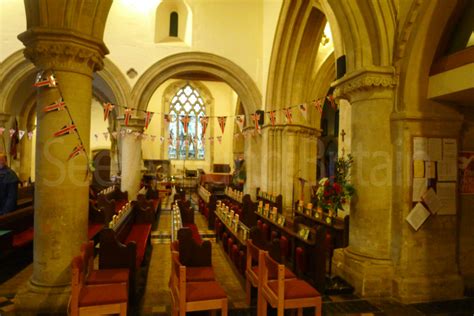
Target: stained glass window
point(186, 102)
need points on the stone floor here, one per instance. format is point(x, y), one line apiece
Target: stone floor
point(156, 299)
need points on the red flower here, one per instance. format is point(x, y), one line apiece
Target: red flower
point(337, 187)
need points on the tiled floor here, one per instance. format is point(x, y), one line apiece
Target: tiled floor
point(156, 298)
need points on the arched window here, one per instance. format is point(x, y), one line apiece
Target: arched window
point(186, 102)
point(174, 24)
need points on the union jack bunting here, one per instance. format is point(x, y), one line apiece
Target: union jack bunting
point(2, 129)
point(148, 117)
point(204, 121)
point(222, 120)
point(30, 135)
point(12, 132)
point(65, 130)
point(128, 114)
point(255, 118)
point(21, 134)
point(56, 106)
point(106, 135)
point(240, 120)
point(167, 119)
point(43, 80)
point(288, 115)
point(76, 151)
point(185, 120)
point(114, 135)
point(318, 104)
point(333, 103)
point(211, 140)
point(304, 110)
point(107, 108)
point(219, 139)
point(272, 115)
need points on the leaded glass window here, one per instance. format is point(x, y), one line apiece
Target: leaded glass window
point(186, 102)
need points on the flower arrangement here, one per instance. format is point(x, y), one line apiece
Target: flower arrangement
point(335, 191)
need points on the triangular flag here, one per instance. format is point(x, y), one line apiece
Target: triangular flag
point(240, 120)
point(55, 106)
point(333, 102)
point(128, 114)
point(222, 120)
point(219, 139)
point(106, 135)
point(272, 115)
point(137, 135)
point(129, 130)
point(170, 140)
point(318, 104)
point(30, 135)
point(12, 132)
point(204, 121)
point(2, 129)
point(162, 139)
point(43, 80)
point(148, 117)
point(21, 134)
point(256, 118)
point(96, 136)
point(288, 115)
point(107, 108)
point(114, 135)
point(304, 110)
point(122, 133)
point(153, 137)
point(167, 119)
point(185, 120)
point(65, 130)
point(211, 140)
point(145, 136)
point(76, 151)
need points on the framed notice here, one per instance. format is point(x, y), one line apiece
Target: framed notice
point(466, 172)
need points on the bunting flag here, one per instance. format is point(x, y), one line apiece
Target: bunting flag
point(288, 115)
point(96, 136)
point(137, 135)
point(204, 121)
point(186, 141)
point(43, 80)
point(333, 103)
point(2, 129)
point(318, 104)
point(272, 115)
point(65, 130)
point(76, 151)
point(240, 120)
point(108, 107)
point(128, 114)
point(148, 117)
point(219, 139)
point(167, 119)
point(30, 135)
point(304, 110)
point(114, 135)
point(211, 140)
point(162, 139)
point(170, 140)
point(12, 132)
point(145, 136)
point(129, 130)
point(222, 120)
point(106, 135)
point(122, 133)
point(56, 106)
point(21, 134)
point(256, 118)
point(185, 120)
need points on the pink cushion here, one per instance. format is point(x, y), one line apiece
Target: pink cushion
point(23, 238)
point(105, 276)
point(139, 234)
point(94, 229)
point(93, 295)
point(295, 289)
point(203, 291)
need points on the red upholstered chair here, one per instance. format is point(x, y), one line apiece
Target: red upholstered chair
point(242, 261)
point(259, 225)
point(284, 248)
point(283, 293)
point(193, 274)
point(102, 276)
point(224, 241)
point(265, 232)
point(254, 255)
point(194, 296)
point(95, 299)
point(274, 235)
point(235, 255)
point(230, 243)
point(300, 260)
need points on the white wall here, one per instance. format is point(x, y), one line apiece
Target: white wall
point(12, 23)
point(99, 127)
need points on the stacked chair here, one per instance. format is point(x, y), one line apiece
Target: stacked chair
point(192, 282)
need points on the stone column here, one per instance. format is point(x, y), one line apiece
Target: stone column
point(367, 263)
point(253, 160)
point(130, 151)
point(4, 118)
point(67, 40)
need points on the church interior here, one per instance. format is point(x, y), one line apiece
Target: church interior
point(244, 157)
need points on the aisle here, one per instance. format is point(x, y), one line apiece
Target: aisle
point(156, 300)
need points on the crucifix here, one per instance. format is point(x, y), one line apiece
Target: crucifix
point(343, 133)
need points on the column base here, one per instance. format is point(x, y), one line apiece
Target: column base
point(418, 289)
point(370, 277)
point(32, 299)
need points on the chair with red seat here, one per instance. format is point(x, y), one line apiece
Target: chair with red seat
point(284, 248)
point(284, 293)
point(300, 260)
point(95, 299)
point(194, 296)
point(265, 232)
point(230, 243)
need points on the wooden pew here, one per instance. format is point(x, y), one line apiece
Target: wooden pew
point(25, 196)
point(112, 199)
point(17, 229)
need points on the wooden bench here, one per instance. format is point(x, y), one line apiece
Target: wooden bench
point(20, 226)
point(25, 196)
point(112, 199)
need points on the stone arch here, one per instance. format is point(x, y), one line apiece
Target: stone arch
point(197, 62)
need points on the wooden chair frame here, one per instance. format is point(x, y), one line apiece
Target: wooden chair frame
point(178, 293)
point(277, 300)
point(251, 278)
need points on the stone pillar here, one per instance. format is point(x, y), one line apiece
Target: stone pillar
point(253, 160)
point(367, 263)
point(130, 147)
point(67, 40)
point(4, 119)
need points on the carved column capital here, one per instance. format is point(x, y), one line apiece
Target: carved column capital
point(63, 50)
point(354, 86)
point(135, 124)
point(302, 130)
